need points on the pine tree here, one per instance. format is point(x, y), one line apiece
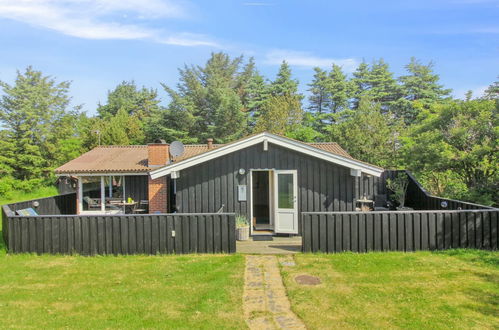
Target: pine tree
point(419, 87)
point(376, 82)
point(360, 82)
point(383, 87)
point(283, 83)
point(368, 134)
point(140, 102)
point(257, 94)
point(206, 94)
point(31, 112)
point(320, 97)
point(340, 89)
point(492, 92)
point(281, 114)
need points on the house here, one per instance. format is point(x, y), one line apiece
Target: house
point(270, 179)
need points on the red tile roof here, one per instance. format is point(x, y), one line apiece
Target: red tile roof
point(133, 159)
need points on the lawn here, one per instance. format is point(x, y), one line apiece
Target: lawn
point(121, 292)
point(18, 196)
point(191, 291)
point(453, 289)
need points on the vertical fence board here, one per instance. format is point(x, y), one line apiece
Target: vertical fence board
point(85, 239)
point(408, 233)
point(101, 236)
point(494, 233)
point(306, 232)
point(170, 227)
point(217, 246)
point(224, 233)
point(155, 234)
point(315, 233)
point(354, 232)
point(478, 230)
point(209, 234)
point(417, 231)
point(71, 237)
point(322, 233)
point(93, 235)
point(362, 234)
point(329, 233)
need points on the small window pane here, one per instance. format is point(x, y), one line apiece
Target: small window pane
point(114, 192)
point(285, 191)
point(91, 193)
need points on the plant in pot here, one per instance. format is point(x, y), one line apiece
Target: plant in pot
point(398, 188)
point(242, 228)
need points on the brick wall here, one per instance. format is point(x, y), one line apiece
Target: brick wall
point(158, 194)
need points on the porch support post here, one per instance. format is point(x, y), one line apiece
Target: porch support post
point(102, 194)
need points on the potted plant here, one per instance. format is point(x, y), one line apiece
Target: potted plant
point(242, 228)
point(398, 188)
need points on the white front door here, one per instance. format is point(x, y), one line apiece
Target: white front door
point(286, 202)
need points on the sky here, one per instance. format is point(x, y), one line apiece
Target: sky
point(96, 44)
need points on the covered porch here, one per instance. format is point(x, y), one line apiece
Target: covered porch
point(112, 194)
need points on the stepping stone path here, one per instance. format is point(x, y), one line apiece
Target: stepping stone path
point(265, 303)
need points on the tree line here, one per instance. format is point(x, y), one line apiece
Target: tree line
point(410, 121)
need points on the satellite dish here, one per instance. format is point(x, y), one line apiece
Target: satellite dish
point(176, 149)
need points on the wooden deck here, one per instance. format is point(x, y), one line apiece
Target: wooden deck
point(279, 245)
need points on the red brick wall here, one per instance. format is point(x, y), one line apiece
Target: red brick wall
point(158, 194)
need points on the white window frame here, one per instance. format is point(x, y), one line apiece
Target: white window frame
point(103, 192)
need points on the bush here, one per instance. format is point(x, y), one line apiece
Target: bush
point(9, 184)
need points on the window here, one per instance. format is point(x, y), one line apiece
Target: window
point(102, 193)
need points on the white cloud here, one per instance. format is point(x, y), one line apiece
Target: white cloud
point(306, 59)
point(100, 19)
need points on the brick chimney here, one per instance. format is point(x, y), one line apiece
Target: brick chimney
point(210, 143)
point(158, 155)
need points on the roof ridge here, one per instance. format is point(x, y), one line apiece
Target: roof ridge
point(122, 146)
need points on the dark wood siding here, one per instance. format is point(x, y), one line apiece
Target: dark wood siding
point(322, 186)
point(136, 187)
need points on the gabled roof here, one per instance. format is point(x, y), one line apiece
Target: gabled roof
point(313, 150)
point(133, 159)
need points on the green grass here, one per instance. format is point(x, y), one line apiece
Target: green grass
point(19, 196)
point(190, 291)
point(453, 289)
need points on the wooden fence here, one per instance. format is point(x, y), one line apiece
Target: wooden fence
point(399, 230)
point(59, 204)
point(123, 234)
point(419, 199)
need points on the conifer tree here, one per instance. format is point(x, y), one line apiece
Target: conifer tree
point(31, 112)
point(419, 87)
point(284, 84)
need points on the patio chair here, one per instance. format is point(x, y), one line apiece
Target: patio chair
point(142, 207)
point(92, 203)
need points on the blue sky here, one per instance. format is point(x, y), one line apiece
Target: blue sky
point(98, 43)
